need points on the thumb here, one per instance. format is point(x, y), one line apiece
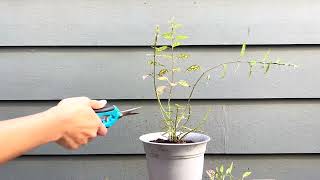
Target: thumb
point(97, 104)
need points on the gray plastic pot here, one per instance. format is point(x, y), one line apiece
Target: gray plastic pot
point(175, 161)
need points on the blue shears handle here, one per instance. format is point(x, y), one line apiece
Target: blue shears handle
point(109, 115)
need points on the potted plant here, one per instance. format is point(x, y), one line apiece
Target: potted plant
point(177, 152)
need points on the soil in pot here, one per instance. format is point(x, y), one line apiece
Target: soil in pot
point(170, 142)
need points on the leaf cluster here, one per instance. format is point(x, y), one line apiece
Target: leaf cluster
point(220, 173)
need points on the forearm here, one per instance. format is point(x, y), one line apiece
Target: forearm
point(23, 134)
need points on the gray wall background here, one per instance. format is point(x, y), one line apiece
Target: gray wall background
point(56, 49)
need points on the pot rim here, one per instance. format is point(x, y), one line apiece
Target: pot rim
point(172, 144)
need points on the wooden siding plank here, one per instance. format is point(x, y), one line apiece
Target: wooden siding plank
point(56, 73)
point(236, 127)
point(109, 23)
point(263, 167)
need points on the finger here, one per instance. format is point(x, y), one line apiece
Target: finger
point(102, 130)
point(97, 104)
point(81, 140)
point(90, 134)
point(62, 142)
point(68, 143)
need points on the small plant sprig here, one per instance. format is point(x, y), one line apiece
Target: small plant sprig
point(165, 61)
point(220, 174)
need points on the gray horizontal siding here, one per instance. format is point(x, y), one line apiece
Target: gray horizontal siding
point(236, 127)
point(266, 115)
point(56, 73)
point(284, 167)
point(109, 23)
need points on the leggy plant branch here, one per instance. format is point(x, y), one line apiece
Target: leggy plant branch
point(221, 65)
point(171, 72)
point(163, 111)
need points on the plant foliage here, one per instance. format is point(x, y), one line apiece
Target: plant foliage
point(220, 173)
point(164, 63)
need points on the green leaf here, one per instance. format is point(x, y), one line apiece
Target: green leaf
point(251, 66)
point(181, 37)
point(163, 72)
point(265, 59)
point(163, 78)
point(243, 50)
point(162, 48)
point(229, 170)
point(224, 72)
point(194, 67)
point(267, 68)
point(253, 62)
point(151, 62)
point(167, 35)
point(221, 169)
point(176, 44)
point(184, 83)
point(246, 174)
point(183, 56)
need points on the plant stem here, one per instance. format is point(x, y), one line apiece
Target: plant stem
point(196, 83)
point(172, 74)
point(200, 124)
point(163, 112)
point(217, 66)
point(176, 124)
point(171, 87)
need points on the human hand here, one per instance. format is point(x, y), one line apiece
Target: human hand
point(79, 122)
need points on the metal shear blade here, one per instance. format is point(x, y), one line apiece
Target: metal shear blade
point(129, 112)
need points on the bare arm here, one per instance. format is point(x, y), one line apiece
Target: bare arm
point(71, 124)
point(23, 134)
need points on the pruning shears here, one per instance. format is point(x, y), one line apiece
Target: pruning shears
point(110, 114)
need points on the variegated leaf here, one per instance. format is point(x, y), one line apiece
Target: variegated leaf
point(194, 67)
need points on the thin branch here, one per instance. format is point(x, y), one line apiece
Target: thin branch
point(172, 73)
point(200, 124)
point(176, 123)
point(163, 112)
point(218, 66)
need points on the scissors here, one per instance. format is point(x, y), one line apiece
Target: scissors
point(110, 114)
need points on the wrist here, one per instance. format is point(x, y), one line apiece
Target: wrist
point(55, 123)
